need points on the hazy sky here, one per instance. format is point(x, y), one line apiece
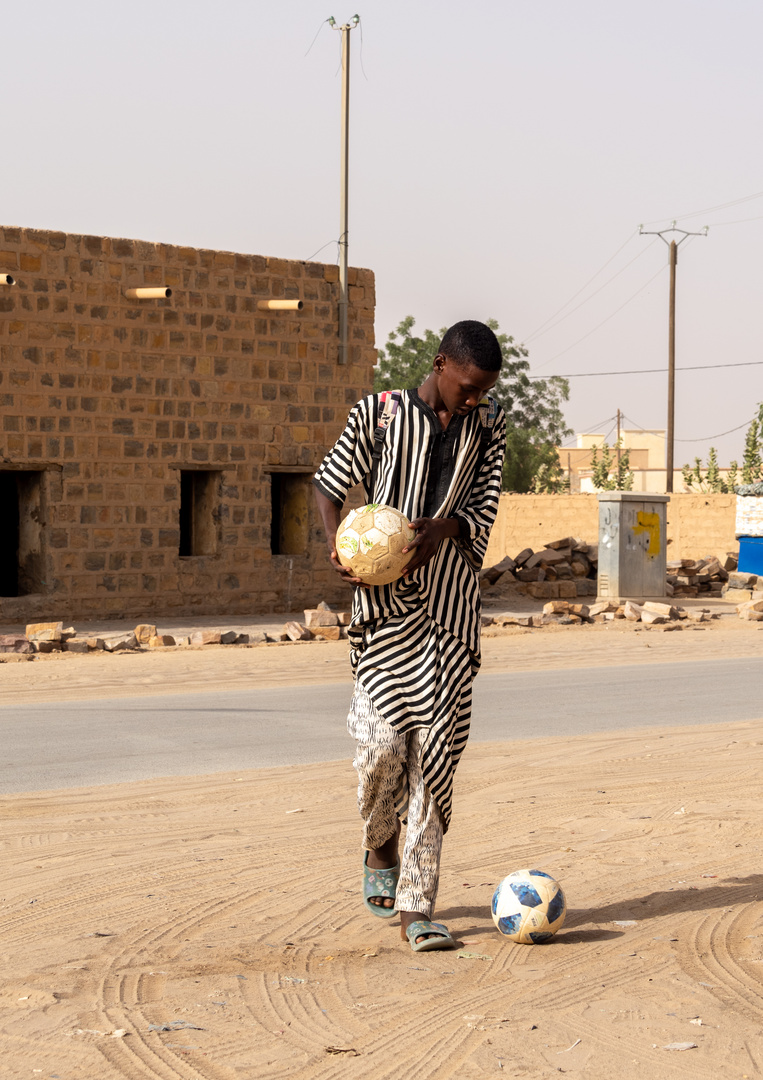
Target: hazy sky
point(501, 154)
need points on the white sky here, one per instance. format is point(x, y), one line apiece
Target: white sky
point(501, 153)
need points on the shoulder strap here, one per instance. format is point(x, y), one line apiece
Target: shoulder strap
point(390, 400)
point(488, 409)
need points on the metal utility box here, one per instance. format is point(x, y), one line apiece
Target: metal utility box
point(632, 545)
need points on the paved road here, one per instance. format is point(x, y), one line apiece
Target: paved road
point(79, 743)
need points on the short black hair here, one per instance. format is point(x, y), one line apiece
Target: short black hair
point(472, 342)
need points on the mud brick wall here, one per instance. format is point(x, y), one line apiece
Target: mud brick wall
point(107, 404)
point(697, 525)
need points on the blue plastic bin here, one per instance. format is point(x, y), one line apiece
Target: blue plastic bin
point(751, 554)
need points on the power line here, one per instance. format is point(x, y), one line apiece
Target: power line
point(646, 371)
point(706, 438)
point(722, 433)
point(603, 321)
point(599, 423)
point(707, 209)
point(580, 290)
point(596, 292)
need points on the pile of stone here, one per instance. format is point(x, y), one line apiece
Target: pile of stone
point(53, 637)
point(649, 613)
point(321, 624)
point(747, 591)
point(690, 577)
point(742, 587)
point(563, 569)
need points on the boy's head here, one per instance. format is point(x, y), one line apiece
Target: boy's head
point(472, 342)
point(466, 366)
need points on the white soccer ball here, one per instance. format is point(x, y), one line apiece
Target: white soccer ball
point(529, 907)
point(370, 540)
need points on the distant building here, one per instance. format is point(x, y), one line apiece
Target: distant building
point(156, 454)
point(647, 457)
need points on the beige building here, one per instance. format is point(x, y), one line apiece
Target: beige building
point(647, 458)
point(156, 454)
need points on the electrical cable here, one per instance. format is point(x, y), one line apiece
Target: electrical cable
point(316, 35)
point(707, 209)
point(599, 325)
point(581, 289)
point(738, 221)
point(596, 292)
point(328, 244)
point(706, 438)
point(647, 371)
point(599, 423)
point(721, 434)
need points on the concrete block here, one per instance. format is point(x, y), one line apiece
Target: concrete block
point(229, 637)
point(205, 637)
point(569, 589)
point(45, 646)
point(50, 631)
point(331, 633)
point(76, 645)
point(652, 618)
point(631, 611)
point(144, 632)
point(15, 643)
point(120, 642)
point(315, 617)
point(736, 596)
point(666, 610)
point(161, 641)
point(545, 590)
point(556, 607)
point(297, 632)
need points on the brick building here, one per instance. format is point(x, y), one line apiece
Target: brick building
point(156, 454)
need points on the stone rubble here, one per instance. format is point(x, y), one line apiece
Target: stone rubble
point(567, 568)
point(650, 613)
point(564, 569)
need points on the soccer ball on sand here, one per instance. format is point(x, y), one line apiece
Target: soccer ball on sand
point(529, 907)
point(370, 541)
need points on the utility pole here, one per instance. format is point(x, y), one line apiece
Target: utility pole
point(618, 446)
point(673, 246)
point(344, 183)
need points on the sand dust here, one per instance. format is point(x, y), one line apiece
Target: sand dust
point(211, 928)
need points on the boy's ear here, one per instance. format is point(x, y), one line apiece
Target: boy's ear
point(438, 364)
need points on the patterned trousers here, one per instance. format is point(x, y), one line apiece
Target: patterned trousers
point(391, 786)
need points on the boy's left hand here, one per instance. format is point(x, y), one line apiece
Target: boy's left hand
point(430, 532)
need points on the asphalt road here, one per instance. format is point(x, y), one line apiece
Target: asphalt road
point(112, 740)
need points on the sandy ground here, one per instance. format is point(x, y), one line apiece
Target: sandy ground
point(211, 927)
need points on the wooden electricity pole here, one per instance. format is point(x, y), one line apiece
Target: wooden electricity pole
point(673, 262)
point(344, 183)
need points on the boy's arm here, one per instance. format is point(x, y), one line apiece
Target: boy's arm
point(476, 518)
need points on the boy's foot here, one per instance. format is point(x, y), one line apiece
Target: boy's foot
point(408, 918)
point(384, 858)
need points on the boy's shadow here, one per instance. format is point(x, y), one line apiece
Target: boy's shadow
point(655, 904)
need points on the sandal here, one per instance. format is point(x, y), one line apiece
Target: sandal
point(379, 883)
point(424, 926)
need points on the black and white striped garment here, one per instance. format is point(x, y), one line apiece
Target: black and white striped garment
point(414, 644)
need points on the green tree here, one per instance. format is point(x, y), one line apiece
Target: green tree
point(610, 473)
point(752, 462)
point(535, 423)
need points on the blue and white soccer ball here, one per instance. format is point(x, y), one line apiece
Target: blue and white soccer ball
point(529, 907)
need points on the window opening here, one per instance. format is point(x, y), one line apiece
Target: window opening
point(21, 561)
point(199, 511)
point(289, 509)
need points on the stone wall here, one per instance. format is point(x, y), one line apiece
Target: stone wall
point(697, 525)
point(147, 446)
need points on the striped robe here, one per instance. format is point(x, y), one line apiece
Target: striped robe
point(415, 644)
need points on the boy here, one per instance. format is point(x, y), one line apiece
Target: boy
point(414, 644)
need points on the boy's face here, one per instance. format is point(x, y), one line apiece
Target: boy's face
point(462, 386)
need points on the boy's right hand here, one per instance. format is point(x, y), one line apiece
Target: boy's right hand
point(344, 571)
